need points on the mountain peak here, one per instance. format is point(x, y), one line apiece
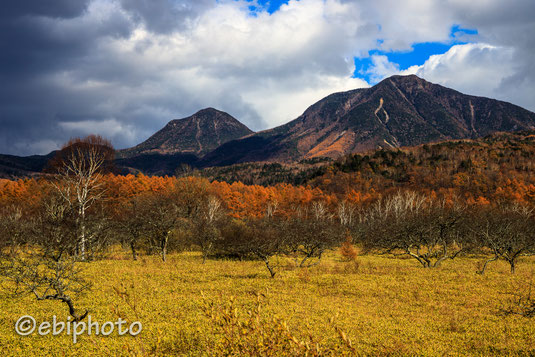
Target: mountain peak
point(398, 111)
point(408, 81)
point(197, 134)
point(209, 111)
point(408, 77)
point(206, 114)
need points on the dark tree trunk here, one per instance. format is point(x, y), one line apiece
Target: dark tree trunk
point(482, 271)
point(268, 266)
point(67, 300)
point(309, 256)
point(164, 248)
point(133, 247)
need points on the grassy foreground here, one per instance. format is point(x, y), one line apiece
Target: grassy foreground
point(379, 305)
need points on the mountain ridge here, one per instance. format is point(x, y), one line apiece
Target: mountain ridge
point(398, 111)
point(197, 134)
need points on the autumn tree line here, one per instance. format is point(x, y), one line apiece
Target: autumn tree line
point(51, 226)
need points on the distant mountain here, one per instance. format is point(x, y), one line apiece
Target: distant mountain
point(154, 163)
point(12, 167)
point(399, 111)
point(198, 134)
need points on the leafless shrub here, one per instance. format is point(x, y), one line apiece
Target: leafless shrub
point(45, 264)
point(206, 221)
point(427, 230)
point(347, 250)
point(257, 238)
point(162, 213)
point(508, 231)
point(131, 225)
point(13, 229)
point(311, 232)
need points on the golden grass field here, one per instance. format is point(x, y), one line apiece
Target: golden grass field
point(382, 305)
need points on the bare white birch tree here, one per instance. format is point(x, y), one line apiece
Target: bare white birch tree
point(79, 168)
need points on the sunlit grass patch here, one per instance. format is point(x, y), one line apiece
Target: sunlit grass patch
point(381, 305)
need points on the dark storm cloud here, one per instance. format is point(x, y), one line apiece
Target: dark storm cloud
point(38, 40)
point(52, 8)
point(33, 42)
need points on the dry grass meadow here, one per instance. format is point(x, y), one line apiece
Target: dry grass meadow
point(376, 305)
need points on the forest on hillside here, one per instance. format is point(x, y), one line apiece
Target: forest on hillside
point(496, 167)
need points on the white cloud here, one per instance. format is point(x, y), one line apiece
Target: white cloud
point(264, 69)
point(472, 67)
point(478, 69)
point(381, 68)
point(285, 100)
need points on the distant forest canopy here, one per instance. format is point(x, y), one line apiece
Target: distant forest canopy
point(485, 171)
point(493, 168)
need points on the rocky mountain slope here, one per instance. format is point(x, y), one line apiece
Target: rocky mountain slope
point(399, 111)
point(198, 134)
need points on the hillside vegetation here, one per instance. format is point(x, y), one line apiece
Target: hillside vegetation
point(495, 167)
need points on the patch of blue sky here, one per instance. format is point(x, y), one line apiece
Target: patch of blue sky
point(419, 53)
point(270, 6)
point(416, 56)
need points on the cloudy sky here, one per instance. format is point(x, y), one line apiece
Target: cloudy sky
point(124, 68)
